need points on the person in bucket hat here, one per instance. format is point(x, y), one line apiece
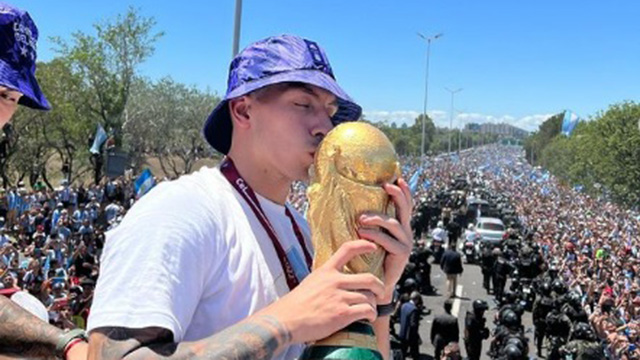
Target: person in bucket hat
point(18, 84)
point(22, 333)
point(217, 264)
point(277, 60)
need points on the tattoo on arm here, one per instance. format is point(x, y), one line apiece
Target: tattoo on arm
point(21, 333)
point(259, 338)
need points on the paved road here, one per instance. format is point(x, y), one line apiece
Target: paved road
point(469, 289)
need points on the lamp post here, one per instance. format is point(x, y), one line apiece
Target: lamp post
point(426, 86)
point(236, 28)
point(460, 135)
point(453, 92)
point(462, 124)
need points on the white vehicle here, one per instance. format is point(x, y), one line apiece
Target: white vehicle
point(491, 229)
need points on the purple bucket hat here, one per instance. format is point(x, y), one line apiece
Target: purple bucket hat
point(18, 37)
point(277, 59)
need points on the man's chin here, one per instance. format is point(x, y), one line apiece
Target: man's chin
point(304, 176)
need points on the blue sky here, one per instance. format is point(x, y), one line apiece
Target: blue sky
point(516, 61)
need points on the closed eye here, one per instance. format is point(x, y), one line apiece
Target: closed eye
point(7, 96)
point(306, 106)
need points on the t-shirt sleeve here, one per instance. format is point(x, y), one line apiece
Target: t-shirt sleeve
point(156, 262)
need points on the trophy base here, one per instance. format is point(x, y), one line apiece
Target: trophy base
point(355, 342)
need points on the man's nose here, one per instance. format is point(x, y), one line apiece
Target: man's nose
point(324, 125)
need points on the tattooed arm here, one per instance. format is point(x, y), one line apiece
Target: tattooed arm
point(255, 338)
point(24, 335)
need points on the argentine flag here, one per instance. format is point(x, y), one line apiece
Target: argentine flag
point(569, 122)
point(144, 183)
point(413, 182)
point(98, 140)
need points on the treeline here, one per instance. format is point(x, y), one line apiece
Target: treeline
point(407, 139)
point(94, 81)
point(601, 156)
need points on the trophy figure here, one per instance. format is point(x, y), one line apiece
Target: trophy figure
point(352, 163)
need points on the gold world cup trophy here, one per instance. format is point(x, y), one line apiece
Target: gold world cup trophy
point(352, 163)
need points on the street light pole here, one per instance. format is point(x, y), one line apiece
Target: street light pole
point(460, 139)
point(426, 86)
point(236, 28)
point(453, 92)
point(462, 130)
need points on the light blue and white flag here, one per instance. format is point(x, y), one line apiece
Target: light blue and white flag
point(569, 122)
point(98, 140)
point(413, 182)
point(47, 264)
point(144, 183)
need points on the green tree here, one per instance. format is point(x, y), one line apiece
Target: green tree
point(165, 121)
point(602, 154)
point(534, 145)
point(68, 126)
point(108, 62)
point(616, 154)
point(429, 132)
point(402, 145)
point(42, 136)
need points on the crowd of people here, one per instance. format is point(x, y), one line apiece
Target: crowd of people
point(51, 241)
point(592, 243)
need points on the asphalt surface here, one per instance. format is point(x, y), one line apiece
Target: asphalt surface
point(469, 289)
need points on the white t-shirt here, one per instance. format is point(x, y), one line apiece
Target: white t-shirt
point(192, 257)
point(440, 234)
point(31, 304)
point(111, 211)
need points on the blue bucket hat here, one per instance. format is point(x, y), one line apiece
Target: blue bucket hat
point(18, 37)
point(277, 59)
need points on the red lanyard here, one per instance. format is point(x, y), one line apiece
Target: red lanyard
point(228, 169)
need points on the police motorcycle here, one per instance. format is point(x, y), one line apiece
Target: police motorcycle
point(523, 288)
point(528, 295)
point(470, 246)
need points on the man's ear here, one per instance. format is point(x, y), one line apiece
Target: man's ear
point(239, 111)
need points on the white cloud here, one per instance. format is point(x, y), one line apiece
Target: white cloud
point(441, 118)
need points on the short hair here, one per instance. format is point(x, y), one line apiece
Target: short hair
point(416, 297)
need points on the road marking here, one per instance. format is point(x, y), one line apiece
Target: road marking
point(456, 301)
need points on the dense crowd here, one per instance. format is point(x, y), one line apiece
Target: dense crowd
point(592, 243)
point(51, 241)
